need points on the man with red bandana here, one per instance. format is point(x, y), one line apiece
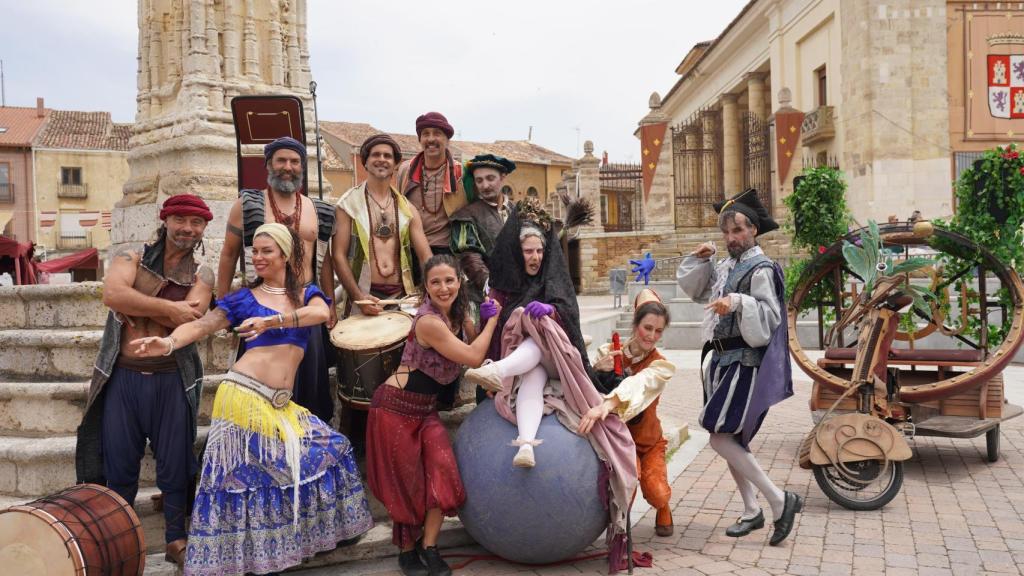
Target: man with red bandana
point(134, 399)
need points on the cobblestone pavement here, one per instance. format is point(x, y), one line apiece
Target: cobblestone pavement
point(957, 514)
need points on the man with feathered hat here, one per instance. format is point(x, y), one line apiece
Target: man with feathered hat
point(745, 333)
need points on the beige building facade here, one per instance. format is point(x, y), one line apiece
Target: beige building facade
point(870, 79)
point(80, 167)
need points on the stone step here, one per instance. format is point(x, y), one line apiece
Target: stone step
point(36, 466)
point(687, 335)
point(153, 520)
point(59, 354)
point(40, 409)
point(78, 305)
point(43, 409)
point(374, 544)
point(53, 354)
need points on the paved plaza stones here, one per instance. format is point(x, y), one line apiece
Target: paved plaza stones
point(957, 514)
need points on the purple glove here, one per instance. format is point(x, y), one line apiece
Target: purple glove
point(488, 310)
point(537, 309)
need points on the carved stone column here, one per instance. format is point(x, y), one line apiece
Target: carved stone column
point(184, 139)
point(732, 155)
point(756, 103)
point(252, 52)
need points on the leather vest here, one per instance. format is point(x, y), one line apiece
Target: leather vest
point(728, 327)
point(254, 215)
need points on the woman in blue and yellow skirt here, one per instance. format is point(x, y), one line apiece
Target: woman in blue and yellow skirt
point(247, 516)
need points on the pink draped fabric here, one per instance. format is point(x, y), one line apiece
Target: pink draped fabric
point(573, 395)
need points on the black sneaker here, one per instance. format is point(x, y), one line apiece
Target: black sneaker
point(411, 565)
point(436, 564)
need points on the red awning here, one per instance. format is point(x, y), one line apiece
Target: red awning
point(84, 259)
point(22, 269)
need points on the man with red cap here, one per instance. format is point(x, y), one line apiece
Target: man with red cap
point(432, 181)
point(313, 221)
point(133, 399)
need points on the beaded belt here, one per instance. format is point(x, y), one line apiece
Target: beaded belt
point(278, 397)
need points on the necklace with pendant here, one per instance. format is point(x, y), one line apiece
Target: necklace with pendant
point(273, 289)
point(383, 228)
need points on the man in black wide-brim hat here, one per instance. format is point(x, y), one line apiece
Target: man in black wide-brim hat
point(746, 334)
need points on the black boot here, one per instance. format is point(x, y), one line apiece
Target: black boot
point(411, 565)
point(436, 564)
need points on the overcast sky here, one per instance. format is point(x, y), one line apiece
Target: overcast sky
point(573, 70)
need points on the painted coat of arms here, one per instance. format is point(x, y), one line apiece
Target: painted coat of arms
point(1006, 85)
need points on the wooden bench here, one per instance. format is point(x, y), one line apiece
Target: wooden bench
point(940, 359)
point(982, 401)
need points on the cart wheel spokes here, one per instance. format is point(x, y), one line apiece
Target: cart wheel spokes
point(864, 485)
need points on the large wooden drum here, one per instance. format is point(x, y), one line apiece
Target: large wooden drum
point(369, 351)
point(85, 530)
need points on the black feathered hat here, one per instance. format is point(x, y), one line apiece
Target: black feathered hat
point(748, 204)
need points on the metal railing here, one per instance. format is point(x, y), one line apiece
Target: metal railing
point(72, 190)
point(74, 240)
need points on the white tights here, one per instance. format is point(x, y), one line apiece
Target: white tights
point(525, 361)
point(748, 475)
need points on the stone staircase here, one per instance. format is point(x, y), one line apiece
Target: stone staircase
point(671, 249)
point(684, 332)
point(49, 339)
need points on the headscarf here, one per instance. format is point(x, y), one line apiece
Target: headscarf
point(185, 205)
point(284, 142)
point(552, 285)
point(369, 143)
point(434, 120)
point(280, 234)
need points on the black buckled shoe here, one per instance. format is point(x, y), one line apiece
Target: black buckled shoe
point(435, 564)
point(743, 527)
point(411, 565)
point(784, 525)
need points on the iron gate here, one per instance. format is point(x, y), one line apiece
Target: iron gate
point(757, 157)
point(697, 165)
point(621, 197)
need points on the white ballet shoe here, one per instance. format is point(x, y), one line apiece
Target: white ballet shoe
point(524, 458)
point(486, 376)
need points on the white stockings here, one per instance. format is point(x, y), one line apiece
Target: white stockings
point(525, 361)
point(748, 475)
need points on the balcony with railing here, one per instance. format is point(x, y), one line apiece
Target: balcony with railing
point(6, 192)
point(76, 240)
point(818, 126)
point(72, 190)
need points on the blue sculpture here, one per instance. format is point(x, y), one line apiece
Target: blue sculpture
point(643, 268)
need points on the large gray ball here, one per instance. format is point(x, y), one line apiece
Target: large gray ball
point(532, 515)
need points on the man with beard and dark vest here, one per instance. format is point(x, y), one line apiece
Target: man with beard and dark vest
point(432, 181)
point(475, 227)
point(313, 221)
point(134, 399)
point(745, 332)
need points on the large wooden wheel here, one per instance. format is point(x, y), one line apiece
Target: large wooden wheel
point(902, 234)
